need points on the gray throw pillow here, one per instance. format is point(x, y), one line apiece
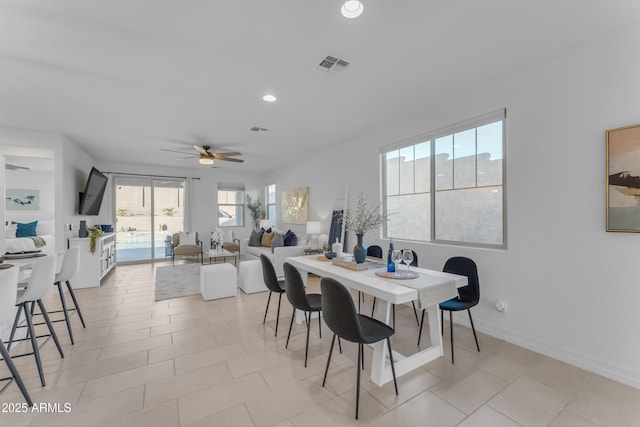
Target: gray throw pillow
point(255, 238)
point(278, 240)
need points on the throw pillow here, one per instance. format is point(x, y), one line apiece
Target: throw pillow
point(266, 239)
point(26, 230)
point(290, 239)
point(227, 236)
point(256, 238)
point(278, 240)
point(10, 231)
point(46, 227)
point(187, 239)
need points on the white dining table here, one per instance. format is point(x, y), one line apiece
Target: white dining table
point(430, 288)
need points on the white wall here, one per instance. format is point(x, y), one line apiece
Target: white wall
point(205, 196)
point(564, 279)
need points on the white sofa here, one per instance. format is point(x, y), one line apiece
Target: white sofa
point(277, 257)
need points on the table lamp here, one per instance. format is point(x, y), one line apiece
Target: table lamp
point(314, 228)
point(265, 223)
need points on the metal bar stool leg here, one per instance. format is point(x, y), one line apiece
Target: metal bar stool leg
point(64, 310)
point(15, 374)
point(451, 332)
point(15, 326)
point(50, 326)
point(75, 303)
point(34, 343)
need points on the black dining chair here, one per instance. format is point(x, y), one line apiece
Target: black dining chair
point(341, 317)
point(301, 300)
point(468, 296)
point(273, 284)
point(373, 251)
point(414, 263)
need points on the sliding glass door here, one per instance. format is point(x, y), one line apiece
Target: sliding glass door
point(148, 212)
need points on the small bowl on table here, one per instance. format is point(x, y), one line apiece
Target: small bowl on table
point(329, 255)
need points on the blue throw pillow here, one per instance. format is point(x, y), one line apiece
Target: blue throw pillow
point(290, 239)
point(26, 230)
point(256, 237)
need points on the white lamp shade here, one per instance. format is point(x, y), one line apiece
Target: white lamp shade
point(314, 227)
point(265, 223)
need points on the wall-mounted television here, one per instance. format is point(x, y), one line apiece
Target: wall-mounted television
point(91, 199)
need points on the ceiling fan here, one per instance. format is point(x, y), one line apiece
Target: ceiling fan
point(12, 167)
point(206, 157)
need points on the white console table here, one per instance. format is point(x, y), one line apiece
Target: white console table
point(93, 267)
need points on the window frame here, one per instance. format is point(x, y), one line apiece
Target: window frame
point(274, 204)
point(474, 123)
point(240, 207)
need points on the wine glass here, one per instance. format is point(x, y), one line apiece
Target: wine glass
point(407, 257)
point(396, 257)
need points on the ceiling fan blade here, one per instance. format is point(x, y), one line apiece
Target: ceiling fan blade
point(174, 151)
point(11, 167)
point(230, 159)
point(201, 150)
point(188, 157)
point(234, 153)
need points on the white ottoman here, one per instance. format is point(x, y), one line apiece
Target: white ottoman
point(250, 278)
point(217, 281)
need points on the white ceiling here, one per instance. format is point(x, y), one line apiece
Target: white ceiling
point(125, 78)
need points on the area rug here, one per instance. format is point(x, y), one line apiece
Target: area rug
point(178, 281)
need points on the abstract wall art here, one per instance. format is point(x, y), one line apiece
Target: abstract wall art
point(22, 200)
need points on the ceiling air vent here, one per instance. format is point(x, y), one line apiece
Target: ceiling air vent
point(258, 129)
point(332, 64)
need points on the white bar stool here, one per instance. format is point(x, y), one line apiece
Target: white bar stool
point(8, 289)
point(42, 275)
point(70, 268)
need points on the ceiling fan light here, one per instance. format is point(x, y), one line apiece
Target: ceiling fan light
point(269, 98)
point(352, 9)
point(204, 160)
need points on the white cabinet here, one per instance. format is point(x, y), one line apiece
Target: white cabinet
point(94, 266)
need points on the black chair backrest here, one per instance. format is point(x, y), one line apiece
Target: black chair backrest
point(414, 263)
point(374, 251)
point(294, 288)
point(465, 267)
point(338, 310)
point(269, 274)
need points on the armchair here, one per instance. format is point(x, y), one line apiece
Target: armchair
point(229, 243)
point(174, 248)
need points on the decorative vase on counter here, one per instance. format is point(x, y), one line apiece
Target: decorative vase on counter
point(360, 250)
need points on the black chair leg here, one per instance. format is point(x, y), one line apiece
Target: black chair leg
point(75, 303)
point(358, 383)
point(359, 301)
point(267, 310)
point(415, 312)
point(326, 370)
point(306, 349)
point(473, 328)
point(441, 322)
point(15, 374)
point(15, 327)
point(320, 324)
point(65, 312)
point(373, 307)
point(451, 333)
point(340, 345)
point(362, 357)
point(45, 315)
point(393, 368)
point(290, 326)
point(393, 312)
point(278, 317)
point(34, 343)
point(421, 323)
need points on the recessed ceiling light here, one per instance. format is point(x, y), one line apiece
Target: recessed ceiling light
point(352, 9)
point(269, 98)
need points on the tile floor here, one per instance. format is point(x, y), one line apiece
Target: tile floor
point(186, 362)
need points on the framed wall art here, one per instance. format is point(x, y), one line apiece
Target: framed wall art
point(22, 200)
point(295, 206)
point(623, 179)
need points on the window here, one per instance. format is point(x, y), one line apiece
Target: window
point(270, 197)
point(230, 205)
point(448, 186)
